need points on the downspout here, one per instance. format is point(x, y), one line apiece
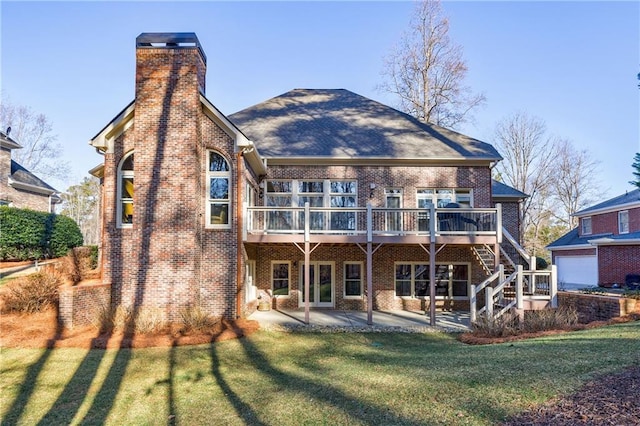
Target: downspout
point(239, 228)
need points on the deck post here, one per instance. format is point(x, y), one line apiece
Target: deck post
point(473, 304)
point(553, 286)
point(432, 265)
point(369, 265)
point(519, 289)
point(489, 302)
point(307, 217)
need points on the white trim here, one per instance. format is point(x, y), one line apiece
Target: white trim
point(573, 247)
point(620, 231)
point(344, 280)
point(611, 209)
point(317, 289)
point(581, 231)
point(105, 139)
point(32, 188)
point(211, 201)
point(614, 242)
point(280, 262)
point(119, 177)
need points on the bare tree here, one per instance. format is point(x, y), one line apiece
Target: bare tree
point(574, 184)
point(40, 152)
point(527, 166)
point(82, 203)
point(427, 70)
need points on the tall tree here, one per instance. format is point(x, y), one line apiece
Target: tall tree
point(82, 203)
point(527, 166)
point(40, 152)
point(636, 168)
point(427, 71)
point(575, 184)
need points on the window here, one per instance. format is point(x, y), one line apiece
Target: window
point(280, 278)
point(125, 192)
point(218, 189)
point(412, 280)
point(623, 222)
point(393, 200)
point(442, 197)
point(353, 279)
point(318, 193)
point(586, 225)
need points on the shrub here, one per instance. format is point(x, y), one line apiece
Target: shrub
point(541, 264)
point(195, 319)
point(28, 235)
point(631, 294)
point(511, 324)
point(128, 320)
point(33, 293)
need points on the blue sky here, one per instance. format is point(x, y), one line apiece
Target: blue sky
point(573, 64)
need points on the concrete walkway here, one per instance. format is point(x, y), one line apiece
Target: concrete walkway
point(337, 320)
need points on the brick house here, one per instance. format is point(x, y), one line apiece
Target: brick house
point(18, 186)
point(312, 199)
point(605, 247)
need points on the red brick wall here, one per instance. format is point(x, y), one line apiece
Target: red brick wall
point(383, 273)
point(409, 178)
point(615, 262)
point(82, 304)
point(18, 198)
point(607, 223)
point(591, 307)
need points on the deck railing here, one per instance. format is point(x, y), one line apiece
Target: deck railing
point(384, 221)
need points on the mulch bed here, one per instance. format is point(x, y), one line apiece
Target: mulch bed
point(608, 400)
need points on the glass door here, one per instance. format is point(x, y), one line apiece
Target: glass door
point(321, 286)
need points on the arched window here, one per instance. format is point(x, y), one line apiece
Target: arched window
point(125, 191)
point(218, 190)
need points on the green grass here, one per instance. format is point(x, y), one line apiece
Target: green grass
point(275, 378)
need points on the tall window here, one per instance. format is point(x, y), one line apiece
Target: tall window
point(586, 225)
point(218, 190)
point(412, 280)
point(623, 222)
point(280, 278)
point(125, 191)
point(352, 279)
point(393, 200)
point(318, 193)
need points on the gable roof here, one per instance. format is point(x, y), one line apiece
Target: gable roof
point(626, 200)
point(21, 178)
point(501, 190)
point(7, 142)
point(339, 124)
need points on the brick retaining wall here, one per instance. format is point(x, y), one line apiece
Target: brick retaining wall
point(594, 307)
point(80, 304)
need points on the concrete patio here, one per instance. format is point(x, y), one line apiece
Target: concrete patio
point(322, 320)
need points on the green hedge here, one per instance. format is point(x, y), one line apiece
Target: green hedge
point(27, 234)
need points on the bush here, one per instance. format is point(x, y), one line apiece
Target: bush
point(28, 235)
point(510, 324)
point(195, 319)
point(33, 293)
point(631, 294)
point(128, 320)
point(541, 264)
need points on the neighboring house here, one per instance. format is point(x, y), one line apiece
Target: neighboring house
point(200, 208)
point(18, 186)
point(605, 247)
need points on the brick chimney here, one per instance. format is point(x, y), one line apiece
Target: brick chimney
point(170, 76)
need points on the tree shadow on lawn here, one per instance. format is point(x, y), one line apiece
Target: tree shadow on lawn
point(353, 407)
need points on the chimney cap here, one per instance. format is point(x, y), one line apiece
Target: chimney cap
point(169, 40)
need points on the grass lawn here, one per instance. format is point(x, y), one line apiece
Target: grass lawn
point(275, 378)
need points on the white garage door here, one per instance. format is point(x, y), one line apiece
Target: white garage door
point(577, 271)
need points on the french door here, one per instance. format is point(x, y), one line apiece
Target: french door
point(321, 284)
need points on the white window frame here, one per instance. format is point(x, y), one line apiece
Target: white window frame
point(122, 174)
point(251, 291)
point(272, 279)
point(223, 201)
point(413, 280)
point(344, 280)
point(623, 222)
point(583, 226)
point(393, 219)
point(432, 195)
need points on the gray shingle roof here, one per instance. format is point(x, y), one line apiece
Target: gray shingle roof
point(337, 123)
point(629, 197)
point(501, 190)
point(22, 175)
